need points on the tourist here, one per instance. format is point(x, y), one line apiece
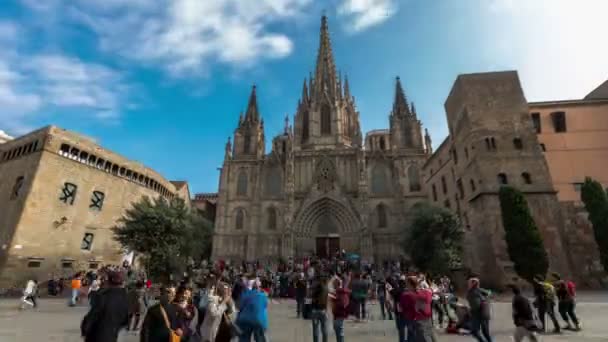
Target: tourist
point(201, 300)
point(137, 306)
point(395, 291)
point(523, 317)
point(109, 314)
point(360, 288)
point(565, 292)
point(381, 294)
point(161, 319)
point(319, 297)
point(29, 294)
point(545, 302)
point(253, 315)
point(219, 303)
point(185, 311)
point(340, 308)
point(418, 301)
point(480, 311)
point(76, 284)
point(93, 290)
point(300, 288)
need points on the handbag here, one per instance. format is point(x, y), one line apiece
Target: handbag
point(173, 336)
point(234, 328)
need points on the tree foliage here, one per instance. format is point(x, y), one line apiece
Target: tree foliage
point(596, 203)
point(434, 242)
point(165, 233)
point(524, 242)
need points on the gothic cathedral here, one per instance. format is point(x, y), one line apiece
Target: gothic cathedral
point(322, 188)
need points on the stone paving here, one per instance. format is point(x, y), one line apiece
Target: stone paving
point(55, 322)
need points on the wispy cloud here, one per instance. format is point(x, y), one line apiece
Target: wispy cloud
point(33, 82)
point(556, 45)
point(186, 36)
point(363, 14)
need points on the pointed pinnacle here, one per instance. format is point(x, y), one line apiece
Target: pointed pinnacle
point(346, 88)
point(413, 110)
point(304, 92)
point(252, 113)
point(400, 105)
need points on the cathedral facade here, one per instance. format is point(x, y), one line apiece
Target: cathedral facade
point(324, 186)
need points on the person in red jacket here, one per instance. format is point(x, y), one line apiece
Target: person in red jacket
point(416, 306)
point(340, 308)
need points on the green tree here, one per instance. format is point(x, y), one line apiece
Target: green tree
point(596, 203)
point(524, 242)
point(165, 233)
point(434, 242)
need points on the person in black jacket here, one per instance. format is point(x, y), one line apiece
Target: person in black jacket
point(523, 317)
point(154, 328)
point(109, 314)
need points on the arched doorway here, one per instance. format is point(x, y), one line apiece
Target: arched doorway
point(325, 226)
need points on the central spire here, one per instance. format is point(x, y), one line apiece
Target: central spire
point(325, 73)
point(252, 113)
point(400, 105)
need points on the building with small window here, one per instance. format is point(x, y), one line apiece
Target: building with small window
point(60, 193)
point(574, 136)
point(507, 142)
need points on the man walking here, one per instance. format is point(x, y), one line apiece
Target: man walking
point(545, 302)
point(76, 284)
point(340, 308)
point(29, 294)
point(253, 314)
point(381, 294)
point(319, 297)
point(300, 287)
point(480, 311)
point(523, 317)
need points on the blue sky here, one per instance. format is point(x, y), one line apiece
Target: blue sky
point(163, 81)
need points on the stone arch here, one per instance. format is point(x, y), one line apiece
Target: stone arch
point(325, 119)
point(239, 219)
point(271, 218)
point(241, 183)
point(382, 215)
point(413, 173)
point(319, 211)
point(380, 179)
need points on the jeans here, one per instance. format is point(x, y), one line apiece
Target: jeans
point(401, 326)
point(360, 306)
point(383, 311)
point(339, 329)
point(29, 299)
point(299, 306)
point(566, 310)
point(423, 331)
point(521, 332)
point(478, 325)
point(319, 322)
point(258, 333)
point(549, 309)
point(74, 298)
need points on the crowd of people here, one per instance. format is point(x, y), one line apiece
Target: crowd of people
point(227, 302)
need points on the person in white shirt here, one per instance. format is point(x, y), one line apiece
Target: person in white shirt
point(29, 294)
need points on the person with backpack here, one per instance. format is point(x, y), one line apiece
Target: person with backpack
point(480, 311)
point(319, 296)
point(523, 317)
point(340, 308)
point(566, 292)
point(360, 288)
point(396, 287)
point(545, 302)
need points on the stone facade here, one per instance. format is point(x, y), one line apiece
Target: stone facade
point(60, 193)
point(493, 142)
point(320, 188)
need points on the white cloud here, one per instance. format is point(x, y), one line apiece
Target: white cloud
point(556, 45)
point(32, 83)
point(186, 36)
point(362, 14)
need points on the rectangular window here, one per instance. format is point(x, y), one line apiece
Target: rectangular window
point(559, 121)
point(444, 186)
point(34, 263)
point(460, 188)
point(66, 264)
point(93, 265)
point(434, 193)
point(536, 121)
point(578, 187)
point(68, 193)
point(446, 203)
point(87, 242)
point(97, 200)
point(543, 147)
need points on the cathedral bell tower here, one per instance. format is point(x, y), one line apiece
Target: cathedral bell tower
point(326, 116)
point(249, 135)
point(405, 128)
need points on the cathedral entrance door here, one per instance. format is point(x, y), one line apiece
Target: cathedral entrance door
point(327, 246)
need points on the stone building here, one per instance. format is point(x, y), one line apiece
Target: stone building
point(206, 203)
point(574, 137)
point(322, 187)
point(59, 195)
point(494, 141)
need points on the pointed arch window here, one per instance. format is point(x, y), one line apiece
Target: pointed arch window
point(325, 120)
point(414, 176)
point(241, 183)
point(273, 182)
point(380, 180)
point(382, 219)
point(246, 143)
point(271, 214)
point(240, 219)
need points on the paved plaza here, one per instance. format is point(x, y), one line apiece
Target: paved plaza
point(55, 322)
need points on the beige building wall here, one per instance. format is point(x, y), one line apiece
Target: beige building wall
point(581, 151)
point(44, 232)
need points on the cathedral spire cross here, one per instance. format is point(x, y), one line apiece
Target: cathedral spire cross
point(252, 113)
point(400, 105)
point(325, 73)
